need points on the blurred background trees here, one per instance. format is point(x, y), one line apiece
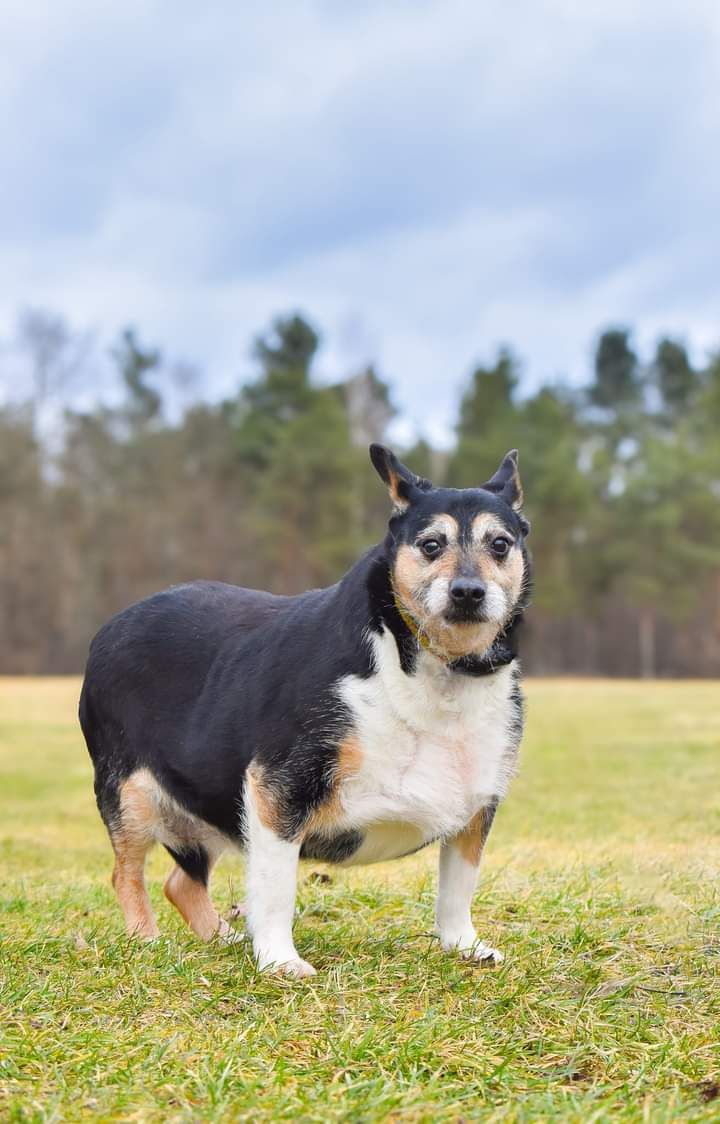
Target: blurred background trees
point(117, 479)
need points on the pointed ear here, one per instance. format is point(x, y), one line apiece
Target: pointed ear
point(403, 485)
point(506, 481)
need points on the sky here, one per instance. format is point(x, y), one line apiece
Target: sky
point(425, 179)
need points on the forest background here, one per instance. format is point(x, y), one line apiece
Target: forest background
point(119, 477)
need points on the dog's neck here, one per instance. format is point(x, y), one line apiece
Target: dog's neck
point(500, 653)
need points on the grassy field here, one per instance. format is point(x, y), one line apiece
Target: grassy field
point(600, 884)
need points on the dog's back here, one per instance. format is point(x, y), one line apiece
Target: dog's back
point(146, 672)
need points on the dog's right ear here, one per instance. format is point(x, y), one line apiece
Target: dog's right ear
point(506, 481)
point(403, 485)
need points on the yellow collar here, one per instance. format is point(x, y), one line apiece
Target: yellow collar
point(496, 657)
point(422, 638)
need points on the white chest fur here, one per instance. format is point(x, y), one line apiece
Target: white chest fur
point(434, 748)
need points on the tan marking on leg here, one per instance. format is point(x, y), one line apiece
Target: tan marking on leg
point(139, 801)
point(265, 803)
point(192, 901)
point(131, 840)
point(128, 880)
point(324, 818)
point(471, 840)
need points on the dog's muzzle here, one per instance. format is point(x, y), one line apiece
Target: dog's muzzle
point(467, 600)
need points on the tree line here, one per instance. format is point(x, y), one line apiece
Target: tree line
point(149, 484)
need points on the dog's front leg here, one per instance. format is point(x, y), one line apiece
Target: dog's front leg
point(272, 864)
point(459, 865)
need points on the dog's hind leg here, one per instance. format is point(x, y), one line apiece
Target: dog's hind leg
point(132, 836)
point(128, 879)
point(186, 887)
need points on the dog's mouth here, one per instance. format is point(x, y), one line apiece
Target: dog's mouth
point(466, 615)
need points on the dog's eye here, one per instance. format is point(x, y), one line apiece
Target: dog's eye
point(431, 547)
point(500, 547)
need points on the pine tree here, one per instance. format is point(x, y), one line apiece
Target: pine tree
point(488, 422)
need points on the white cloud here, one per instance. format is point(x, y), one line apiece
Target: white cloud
point(426, 179)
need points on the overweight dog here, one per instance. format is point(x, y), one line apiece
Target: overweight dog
point(352, 724)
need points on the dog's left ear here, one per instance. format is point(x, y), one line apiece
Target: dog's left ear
point(506, 481)
point(403, 485)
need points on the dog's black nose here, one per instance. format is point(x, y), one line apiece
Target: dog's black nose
point(467, 591)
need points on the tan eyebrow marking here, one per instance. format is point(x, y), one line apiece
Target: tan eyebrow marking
point(485, 525)
point(442, 525)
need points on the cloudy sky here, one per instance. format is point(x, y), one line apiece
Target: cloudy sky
point(426, 179)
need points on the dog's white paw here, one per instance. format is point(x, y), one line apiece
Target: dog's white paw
point(293, 966)
point(298, 969)
point(485, 953)
point(470, 947)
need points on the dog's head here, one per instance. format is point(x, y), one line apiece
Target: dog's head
point(457, 557)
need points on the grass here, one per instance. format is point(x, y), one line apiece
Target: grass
point(600, 884)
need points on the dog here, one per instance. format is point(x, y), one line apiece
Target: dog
point(351, 724)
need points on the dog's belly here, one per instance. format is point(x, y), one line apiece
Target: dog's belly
point(382, 841)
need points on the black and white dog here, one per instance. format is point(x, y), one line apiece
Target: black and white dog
point(349, 724)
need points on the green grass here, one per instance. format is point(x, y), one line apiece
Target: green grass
point(599, 883)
